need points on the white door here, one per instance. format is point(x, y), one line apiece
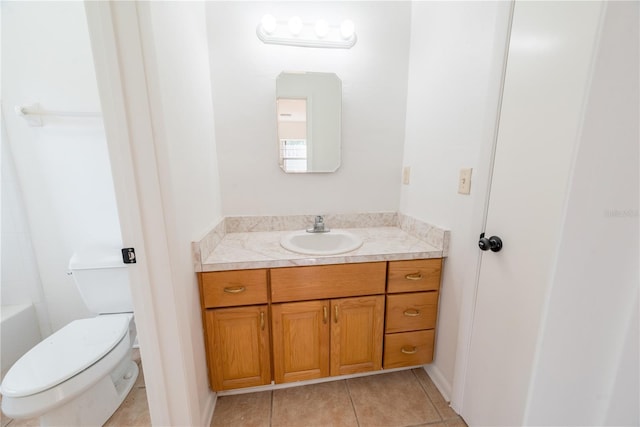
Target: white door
point(547, 74)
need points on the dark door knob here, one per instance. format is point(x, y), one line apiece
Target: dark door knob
point(493, 243)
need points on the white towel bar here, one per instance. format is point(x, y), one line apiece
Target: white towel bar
point(33, 114)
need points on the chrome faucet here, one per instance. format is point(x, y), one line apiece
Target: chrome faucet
point(318, 226)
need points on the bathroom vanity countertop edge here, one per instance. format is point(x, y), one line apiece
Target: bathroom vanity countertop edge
point(252, 250)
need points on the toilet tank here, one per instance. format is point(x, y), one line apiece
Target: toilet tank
point(102, 279)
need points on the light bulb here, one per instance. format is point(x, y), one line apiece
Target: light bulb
point(268, 24)
point(295, 25)
point(347, 29)
point(322, 28)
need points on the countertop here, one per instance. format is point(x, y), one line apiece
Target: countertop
point(249, 250)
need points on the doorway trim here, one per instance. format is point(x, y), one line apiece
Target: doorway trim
point(487, 157)
point(115, 35)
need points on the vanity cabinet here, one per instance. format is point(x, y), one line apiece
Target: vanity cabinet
point(317, 321)
point(300, 341)
point(412, 310)
point(357, 331)
point(327, 281)
point(316, 339)
point(329, 335)
point(236, 320)
point(239, 347)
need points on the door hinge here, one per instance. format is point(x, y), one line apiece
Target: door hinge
point(129, 255)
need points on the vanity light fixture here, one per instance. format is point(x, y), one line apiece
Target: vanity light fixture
point(321, 28)
point(347, 29)
point(268, 24)
point(296, 32)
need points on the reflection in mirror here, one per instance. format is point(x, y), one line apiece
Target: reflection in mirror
point(292, 132)
point(309, 116)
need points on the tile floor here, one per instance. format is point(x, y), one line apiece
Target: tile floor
point(400, 399)
point(134, 411)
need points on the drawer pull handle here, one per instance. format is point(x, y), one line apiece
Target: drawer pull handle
point(414, 350)
point(336, 314)
point(411, 312)
point(262, 320)
point(324, 314)
point(414, 276)
point(235, 290)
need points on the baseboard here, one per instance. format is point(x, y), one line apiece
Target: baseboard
point(439, 380)
point(207, 413)
point(274, 386)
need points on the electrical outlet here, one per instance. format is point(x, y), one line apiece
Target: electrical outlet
point(464, 183)
point(406, 175)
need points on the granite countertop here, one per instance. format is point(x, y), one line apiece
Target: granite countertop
point(261, 249)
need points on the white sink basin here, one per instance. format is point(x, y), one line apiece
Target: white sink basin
point(330, 243)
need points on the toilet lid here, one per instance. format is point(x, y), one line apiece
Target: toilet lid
point(64, 354)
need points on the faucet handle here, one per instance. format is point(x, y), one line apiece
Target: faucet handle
point(319, 219)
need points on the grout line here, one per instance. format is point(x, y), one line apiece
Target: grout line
point(427, 424)
point(271, 410)
point(422, 386)
point(346, 383)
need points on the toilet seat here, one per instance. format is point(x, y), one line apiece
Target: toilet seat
point(60, 394)
point(65, 354)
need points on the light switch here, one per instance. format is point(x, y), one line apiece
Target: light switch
point(464, 183)
point(406, 175)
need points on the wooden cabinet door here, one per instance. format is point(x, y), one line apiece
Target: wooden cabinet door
point(300, 340)
point(356, 334)
point(238, 347)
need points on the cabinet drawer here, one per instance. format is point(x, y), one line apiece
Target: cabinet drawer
point(410, 312)
point(408, 349)
point(415, 275)
point(327, 281)
point(233, 288)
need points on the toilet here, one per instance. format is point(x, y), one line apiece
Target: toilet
point(80, 375)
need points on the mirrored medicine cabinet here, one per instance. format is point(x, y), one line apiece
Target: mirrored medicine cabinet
point(309, 110)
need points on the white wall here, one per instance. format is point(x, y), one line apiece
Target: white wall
point(587, 363)
point(180, 93)
point(62, 168)
point(374, 78)
point(623, 394)
point(20, 277)
point(457, 51)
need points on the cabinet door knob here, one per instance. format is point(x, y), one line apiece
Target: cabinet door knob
point(262, 320)
point(414, 276)
point(336, 314)
point(324, 314)
point(411, 312)
point(235, 289)
point(414, 350)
